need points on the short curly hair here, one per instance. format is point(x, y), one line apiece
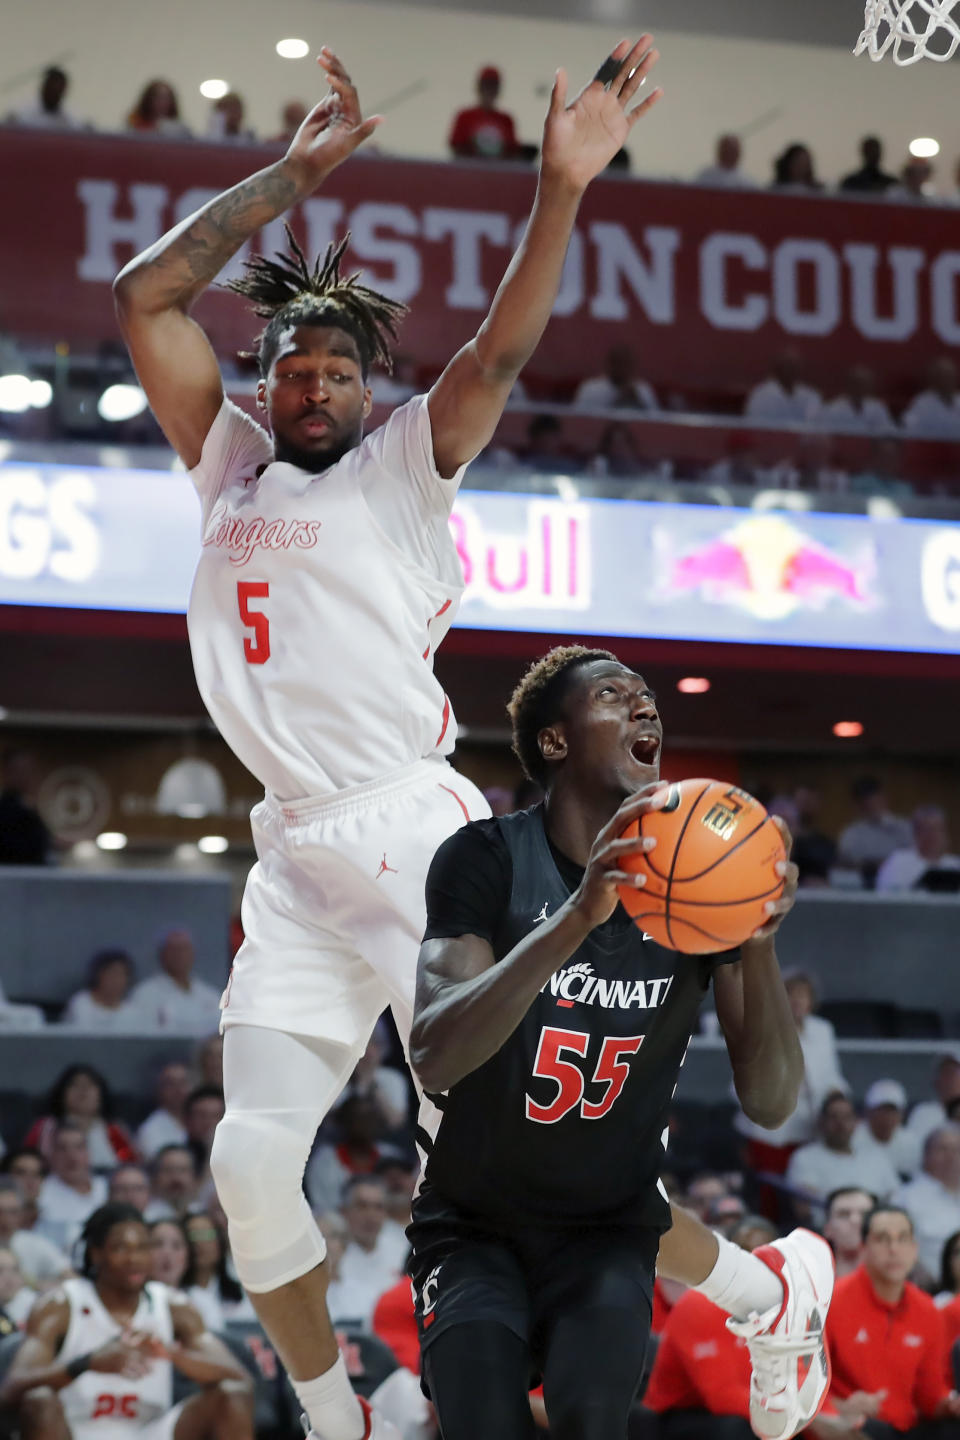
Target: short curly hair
point(538, 700)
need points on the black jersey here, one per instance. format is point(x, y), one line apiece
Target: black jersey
point(564, 1124)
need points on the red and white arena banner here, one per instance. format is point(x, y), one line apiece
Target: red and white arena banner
point(706, 284)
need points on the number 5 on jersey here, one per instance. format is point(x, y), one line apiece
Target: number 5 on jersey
point(256, 650)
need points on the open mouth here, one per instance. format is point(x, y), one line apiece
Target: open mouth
point(646, 749)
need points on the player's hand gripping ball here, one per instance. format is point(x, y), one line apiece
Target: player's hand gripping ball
point(712, 872)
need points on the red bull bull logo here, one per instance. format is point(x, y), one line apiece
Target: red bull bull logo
point(769, 567)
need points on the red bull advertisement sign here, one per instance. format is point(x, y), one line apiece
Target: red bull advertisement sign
point(86, 537)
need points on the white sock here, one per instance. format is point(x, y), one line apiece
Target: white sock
point(740, 1283)
point(331, 1406)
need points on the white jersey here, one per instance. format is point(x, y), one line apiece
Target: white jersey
point(319, 601)
point(123, 1405)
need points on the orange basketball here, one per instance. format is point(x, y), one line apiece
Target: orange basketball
point(713, 870)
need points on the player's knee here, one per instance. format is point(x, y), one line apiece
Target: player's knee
point(257, 1165)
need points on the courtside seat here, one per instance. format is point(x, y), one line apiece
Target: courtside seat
point(918, 1024)
point(861, 1019)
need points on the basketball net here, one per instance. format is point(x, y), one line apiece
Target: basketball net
point(909, 27)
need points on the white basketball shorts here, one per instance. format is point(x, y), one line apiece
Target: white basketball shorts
point(334, 909)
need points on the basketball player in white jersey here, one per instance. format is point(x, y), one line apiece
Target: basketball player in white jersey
point(99, 1354)
point(327, 579)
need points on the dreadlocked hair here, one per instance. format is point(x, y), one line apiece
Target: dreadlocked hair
point(285, 291)
point(538, 700)
point(94, 1233)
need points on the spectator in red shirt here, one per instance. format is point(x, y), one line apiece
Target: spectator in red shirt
point(482, 132)
point(700, 1385)
point(887, 1341)
point(81, 1094)
point(395, 1323)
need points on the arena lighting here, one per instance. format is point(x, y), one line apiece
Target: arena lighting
point(41, 393)
point(847, 729)
point(213, 844)
point(924, 147)
point(15, 394)
point(111, 840)
point(121, 402)
point(292, 49)
point(191, 788)
point(693, 685)
point(214, 89)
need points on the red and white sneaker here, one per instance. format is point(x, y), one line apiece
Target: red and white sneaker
point(375, 1426)
point(791, 1368)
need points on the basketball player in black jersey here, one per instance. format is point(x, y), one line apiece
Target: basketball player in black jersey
point(548, 1035)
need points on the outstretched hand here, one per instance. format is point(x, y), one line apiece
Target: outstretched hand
point(334, 128)
point(580, 139)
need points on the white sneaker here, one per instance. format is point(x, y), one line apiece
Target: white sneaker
point(375, 1426)
point(791, 1368)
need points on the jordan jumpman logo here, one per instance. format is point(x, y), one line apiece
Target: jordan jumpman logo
point(384, 867)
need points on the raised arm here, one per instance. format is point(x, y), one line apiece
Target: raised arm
point(154, 292)
point(466, 1005)
point(579, 141)
point(756, 1019)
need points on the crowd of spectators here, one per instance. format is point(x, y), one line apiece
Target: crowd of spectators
point(485, 131)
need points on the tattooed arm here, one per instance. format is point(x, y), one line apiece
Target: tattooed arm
point(172, 356)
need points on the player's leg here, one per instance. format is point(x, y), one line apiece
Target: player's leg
point(478, 1377)
point(732, 1278)
point(594, 1334)
point(218, 1412)
point(40, 1415)
point(778, 1298)
point(472, 1309)
point(277, 1089)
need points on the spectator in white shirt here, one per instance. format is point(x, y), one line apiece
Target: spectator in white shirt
point(41, 1263)
point(909, 868)
point(858, 407)
point(845, 1211)
point(372, 1260)
point(29, 1168)
point(781, 398)
point(932, 1198)
point(47, 112)
point(70, 1193)
point(176, 1000)
point(946, 1086)
point(771, 1149)
point(867, 841)
point(173, 1183)
point(129, 1185)
point(164, 1125)
point(831, 1162)
point(217, 1294)
point(935, 412)
point(105, 1003)
point(882, 1128)
point(619, 387)
point(725, 171)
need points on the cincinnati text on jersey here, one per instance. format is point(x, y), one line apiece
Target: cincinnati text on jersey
point(577, 984)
